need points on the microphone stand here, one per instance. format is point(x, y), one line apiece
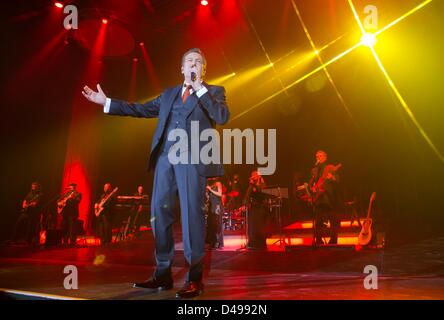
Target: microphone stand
point(313, 208)
point(315, 227)
point(247, 237)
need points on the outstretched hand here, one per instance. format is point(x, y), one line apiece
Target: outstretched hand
point(98, 97)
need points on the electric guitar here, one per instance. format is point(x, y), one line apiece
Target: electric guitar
point(61, 204)
point(99, 207)
point(30, 203)
point(365, 236)
point(317, 190)
point(329, 170)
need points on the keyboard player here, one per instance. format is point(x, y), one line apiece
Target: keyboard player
point(137, 210)
point(135, 206)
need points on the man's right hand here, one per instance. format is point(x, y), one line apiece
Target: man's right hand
point(98, 97)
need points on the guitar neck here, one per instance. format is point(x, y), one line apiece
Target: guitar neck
point(370, 205)
point(369, 211)
point(106, 198)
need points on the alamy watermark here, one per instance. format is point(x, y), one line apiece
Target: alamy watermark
point(371, 280)
point(71, 281)
point(189, 150)
point(71, 21)
point(371, 18)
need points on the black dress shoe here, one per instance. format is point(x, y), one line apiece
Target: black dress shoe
point(155, 283)
point(190, 289)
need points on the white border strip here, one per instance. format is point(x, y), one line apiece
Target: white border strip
point(38, 294)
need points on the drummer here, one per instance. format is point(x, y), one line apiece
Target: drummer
point(235, 191)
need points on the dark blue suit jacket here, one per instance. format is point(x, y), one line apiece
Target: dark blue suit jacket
point(210, 109)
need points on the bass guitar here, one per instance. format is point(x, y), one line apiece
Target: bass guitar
point(99, 207)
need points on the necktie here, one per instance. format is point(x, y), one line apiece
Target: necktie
point(186, 93)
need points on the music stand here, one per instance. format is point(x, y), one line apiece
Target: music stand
point(313, 209)
point(279, 194)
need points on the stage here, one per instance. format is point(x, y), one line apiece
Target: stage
point(269, 119)
point(411, 271)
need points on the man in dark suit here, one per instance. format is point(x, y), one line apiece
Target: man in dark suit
point(324, 184)
point(28, 223)
point(106, 215)
point(177, 108)
point(69, 204)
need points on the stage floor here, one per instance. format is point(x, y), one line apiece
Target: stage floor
point(414, 271)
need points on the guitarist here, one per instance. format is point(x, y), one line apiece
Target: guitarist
point(68, 205)
point(324, 187)
point(28, 223)
point(106, 214)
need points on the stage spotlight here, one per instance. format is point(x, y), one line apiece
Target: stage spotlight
point(104, 21)
point(58, 5)
point(368, 39)
point(204, 2)
point(141, 44)
point(135, 59)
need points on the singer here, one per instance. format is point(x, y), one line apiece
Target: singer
point(177, 107)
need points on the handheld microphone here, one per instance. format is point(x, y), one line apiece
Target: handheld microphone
point(193, 76)
point(317, 162)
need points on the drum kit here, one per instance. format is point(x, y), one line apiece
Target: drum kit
point(234, 213)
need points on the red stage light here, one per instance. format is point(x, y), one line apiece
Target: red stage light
point(58, 5)
point(141, 44)
point(204, 2)
point(135, 59)
point(104, 21)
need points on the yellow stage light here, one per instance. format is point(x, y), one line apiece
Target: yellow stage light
point(368, 39)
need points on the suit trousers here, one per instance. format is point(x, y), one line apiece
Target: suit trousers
point(185, 181)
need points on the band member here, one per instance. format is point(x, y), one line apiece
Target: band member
point(28, 222)
point(68, 208)
point(324, 187)
point(137, 210)
point(215, 236)
point(235, 191)
point(256, 182)
point(104, 212)
point(256, 205)
point(177, 108)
